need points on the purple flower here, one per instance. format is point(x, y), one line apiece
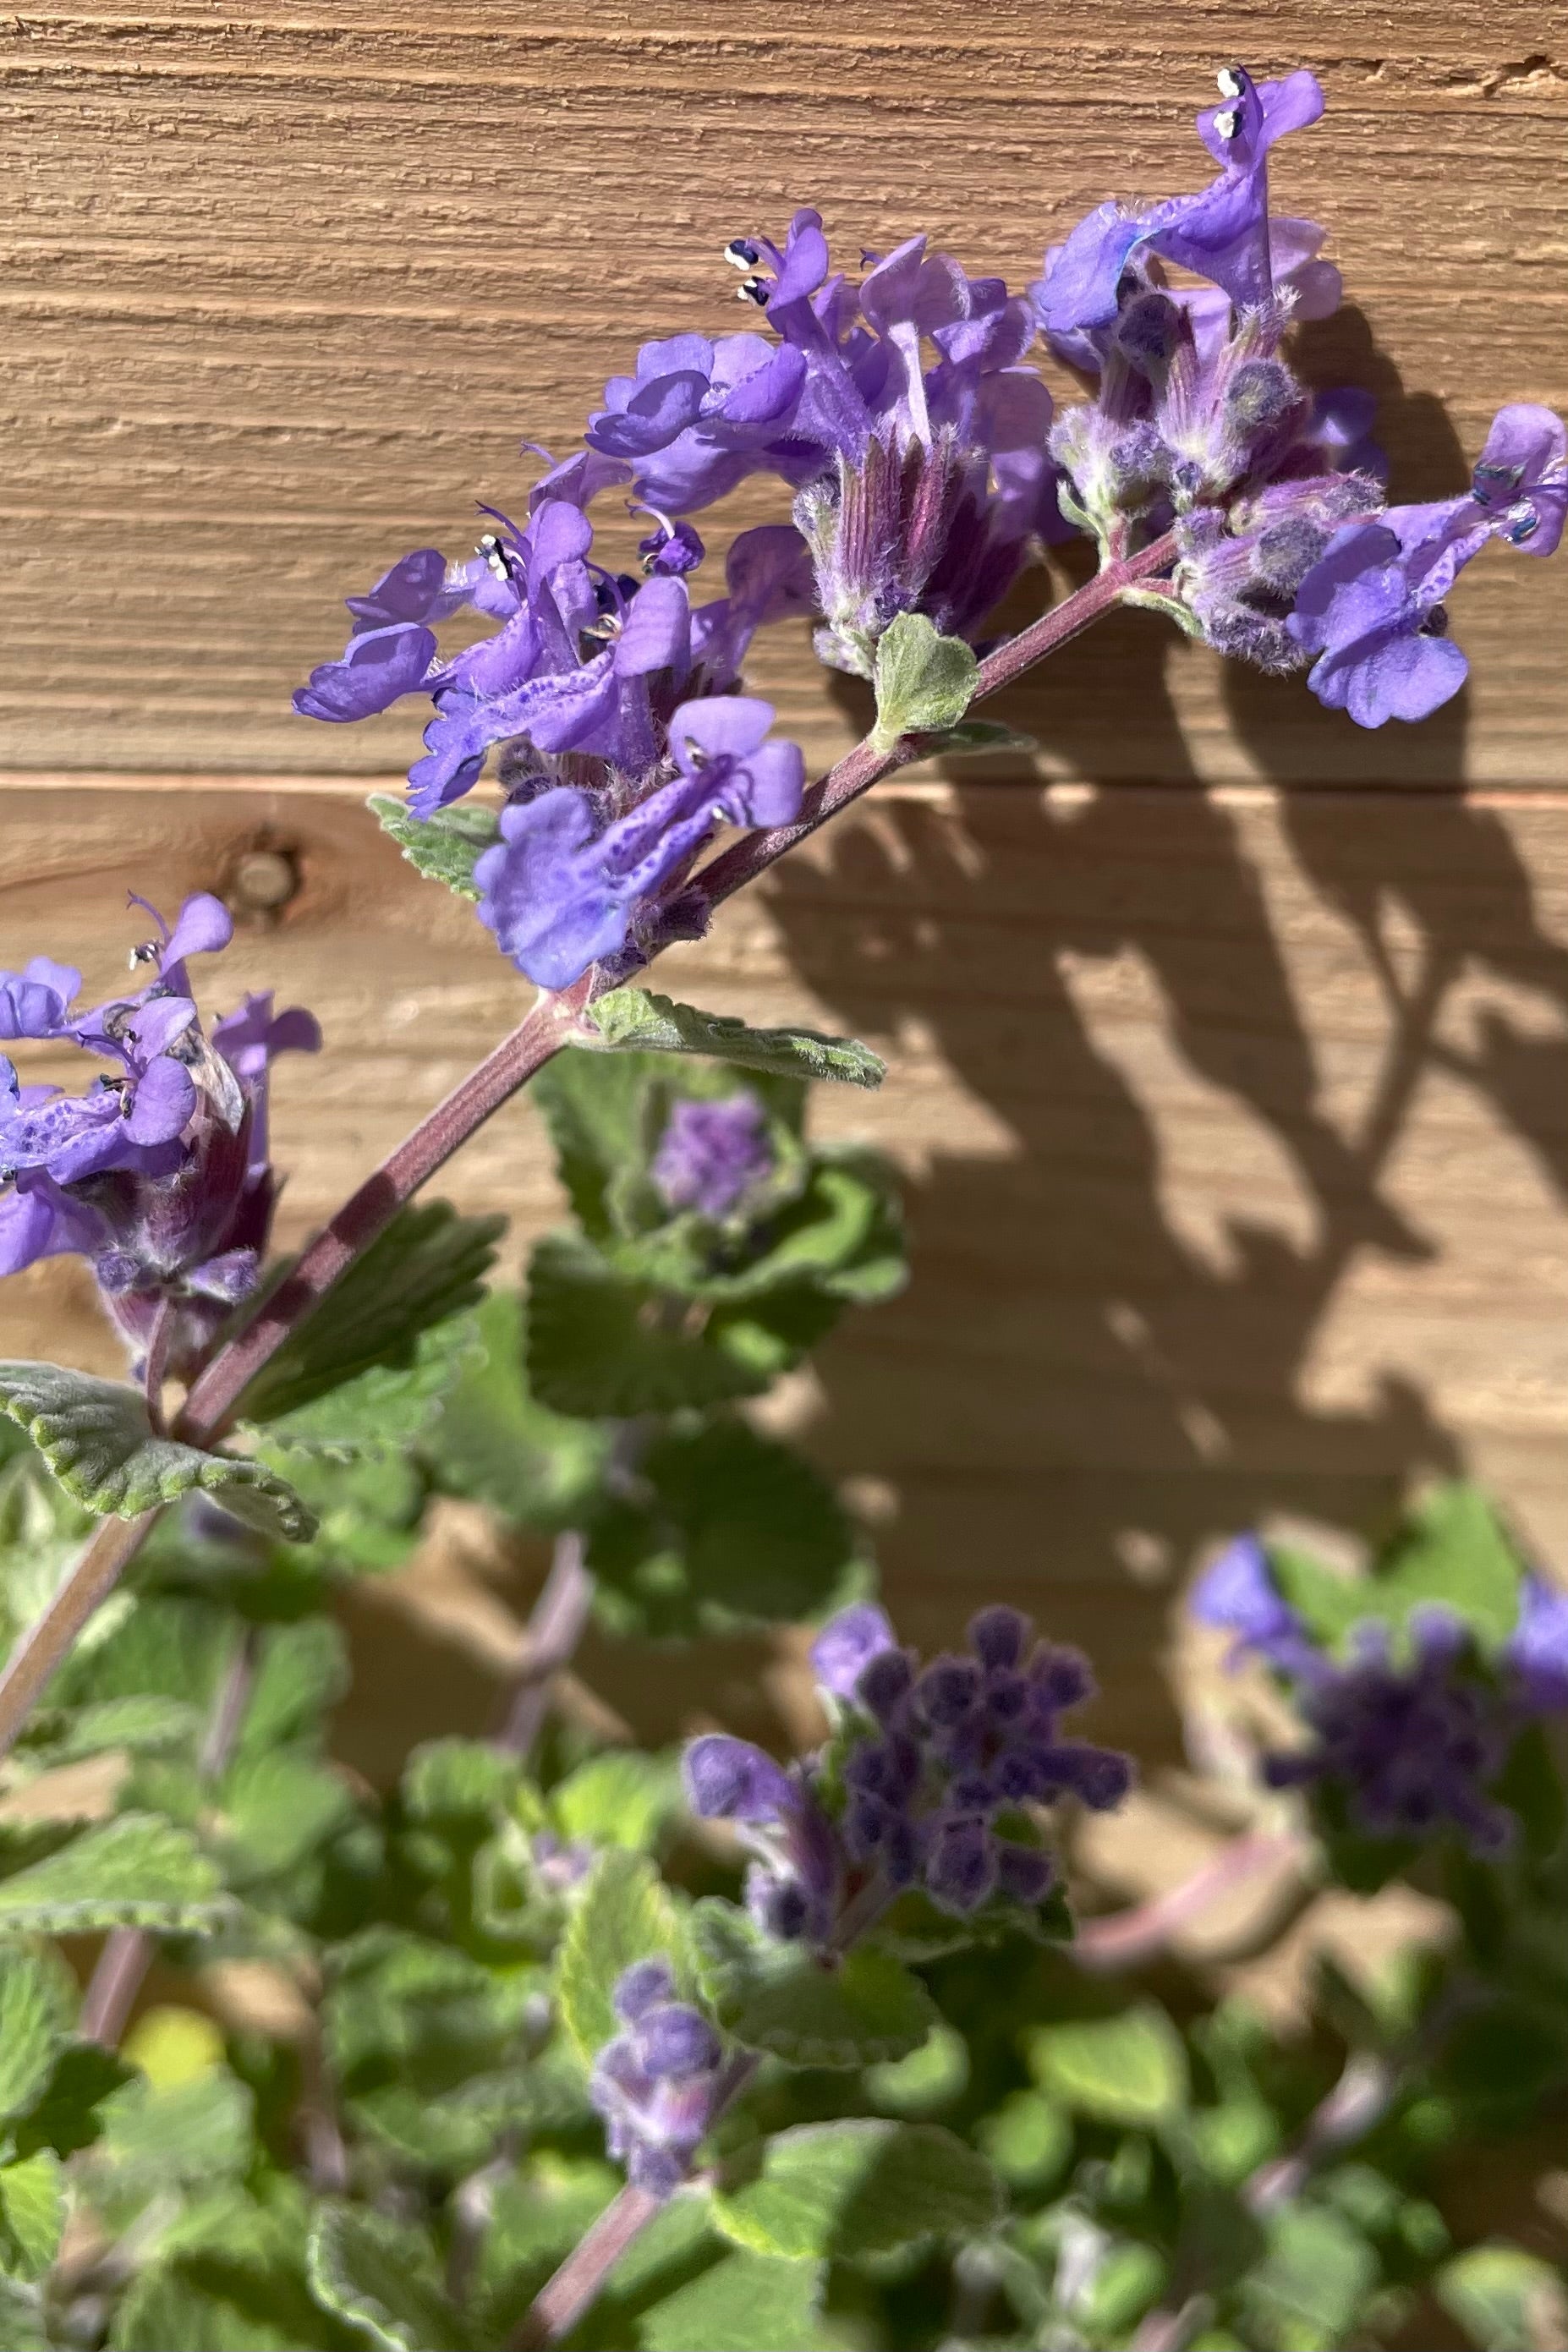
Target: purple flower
point(570, 885)
point(1237, 1592)
point(897, 410)
point(1538, 1649)
point(1221, 233)
point(1370, 610)
point(656, 2085)
point(848, 1643)
point(1410, 1747)
point(712, 1154)
point(917, 1794)
point(159, 1172)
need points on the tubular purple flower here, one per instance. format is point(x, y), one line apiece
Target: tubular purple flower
point(1370, 611)
point(568, 885)
point(846, 1645)
point(923, 485)
point(657, 2084)
point(1222, 233)
point(159, 1173)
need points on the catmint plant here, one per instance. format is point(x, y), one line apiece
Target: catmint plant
point(532, 2036)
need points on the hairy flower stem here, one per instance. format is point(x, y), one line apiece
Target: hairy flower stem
point(365, 1215)
point(1126, 1939)
point(554, 1630)
point(866, 766)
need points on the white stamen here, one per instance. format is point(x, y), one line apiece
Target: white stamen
point(1231, 81)
point(1227, 125)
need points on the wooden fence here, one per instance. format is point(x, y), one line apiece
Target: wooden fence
point(1229, 1043)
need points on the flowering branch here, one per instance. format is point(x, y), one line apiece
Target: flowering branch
point(217, 1389)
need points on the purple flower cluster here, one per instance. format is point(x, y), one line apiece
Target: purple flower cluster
point(657, 2084)
point(711, 1155)
point(933, 1764)
point(897, 410)
point(1288, 557)
point(1410, 1743)
point(159, 1173)
point(611, 698)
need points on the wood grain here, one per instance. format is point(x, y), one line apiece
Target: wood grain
point(1234, 1125)
point(283, 285)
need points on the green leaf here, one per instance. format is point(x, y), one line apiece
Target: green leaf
point(1128, 2069)
point(930, 2078)
point(30, 2028)
point(746, 2303)
point(380, 2278)
point(923, 681)
point(496, 1443)
point(537, 2215)
point(777, 1998)
point(1317, 2274)
point(197, 2132)
point(427, 1266)
point(726, 1529)
point(620, 1797)
point(1451, 1552)
point(1504, 2299)
point(624, 1914)
point(136, 1871)
point(302, 1671)
point(97, 1439)
point(386, 1408)
point(444, 848)
point(71, 2113)
point(22, 2326)
point(145, 1725)
point(1028, 2138)
point(867, 2186)
point(276, 1809)
point(631, 1019)
point(1125, 2283)
point(598, 1344)
point(32, 2214)
point(974, 737)
point(455, 1781)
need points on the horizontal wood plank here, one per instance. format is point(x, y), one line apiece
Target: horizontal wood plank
point(283, 286)
point(1234, 1127)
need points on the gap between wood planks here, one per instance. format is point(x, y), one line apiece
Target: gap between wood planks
point(932, 789)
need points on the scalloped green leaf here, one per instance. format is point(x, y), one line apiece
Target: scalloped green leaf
point(924, 681)
point(743, 2302)
point(633, 1020)
point(31, 2029)
point(624, 1913)
point(495, 1442)
point(779, 1997)
point(1505, 2299)
point(444, 848)
point(386, 1407)
point(32, 2214)
point(1128, 2069)
point(98, 1441)
point(378, 2276)
point(726, 1527)
point(599, 1343)
point(862, 2186)
point(426, 1269)
point(135, 1871)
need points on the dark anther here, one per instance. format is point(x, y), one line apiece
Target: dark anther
point(752, 289)
point(740, 253)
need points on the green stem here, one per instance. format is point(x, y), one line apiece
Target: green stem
point(218, 1387)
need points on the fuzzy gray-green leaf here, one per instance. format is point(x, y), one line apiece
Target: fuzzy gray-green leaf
point(97, 1439)
point(635, 1020)
point(924, 680)
point(444, 848)
point(136, 1871)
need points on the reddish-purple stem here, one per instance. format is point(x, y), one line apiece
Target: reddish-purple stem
point(1125, 1939)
